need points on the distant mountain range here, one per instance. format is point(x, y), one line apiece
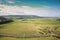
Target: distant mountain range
point(25, 16)
point(22, 16)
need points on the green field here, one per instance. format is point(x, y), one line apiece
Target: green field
point(29, 27)
point(42, 38)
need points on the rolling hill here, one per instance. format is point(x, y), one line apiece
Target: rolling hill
point(22, 16)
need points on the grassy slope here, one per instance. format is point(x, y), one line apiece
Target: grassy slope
point(27, 27)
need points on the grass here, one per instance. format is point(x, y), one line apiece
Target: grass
point(42, 38)
point(18, 28)
point(29, 27)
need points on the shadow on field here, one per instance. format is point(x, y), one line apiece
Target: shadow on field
point(5, 22)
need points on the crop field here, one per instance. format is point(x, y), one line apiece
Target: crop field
point(31, 29)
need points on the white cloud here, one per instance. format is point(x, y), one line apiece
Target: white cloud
point(7, 1)
point(26, 10)
point(11, 2)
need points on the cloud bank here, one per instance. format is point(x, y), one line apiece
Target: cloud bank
point(27, 10)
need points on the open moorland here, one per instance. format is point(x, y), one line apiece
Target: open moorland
point(30, 29)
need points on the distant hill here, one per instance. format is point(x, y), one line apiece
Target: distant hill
point(23, 16)
point(4, 20)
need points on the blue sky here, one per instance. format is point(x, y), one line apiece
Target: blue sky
point(52, 3)
point(46, 8)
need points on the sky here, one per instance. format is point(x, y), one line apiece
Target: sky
point(45, 8)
